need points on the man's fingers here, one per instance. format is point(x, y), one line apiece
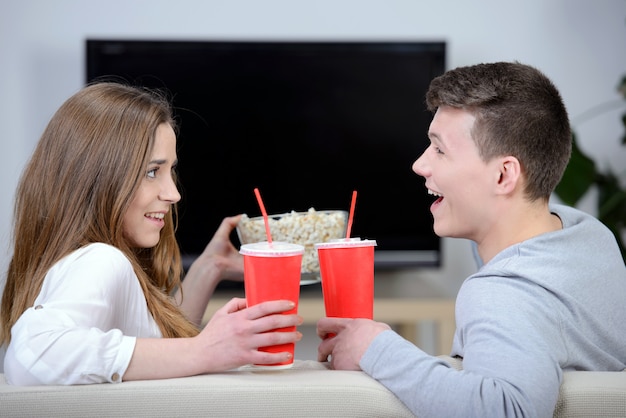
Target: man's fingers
point(326, 326)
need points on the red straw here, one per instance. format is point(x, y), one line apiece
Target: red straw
point(351, 216)
point(265, 219)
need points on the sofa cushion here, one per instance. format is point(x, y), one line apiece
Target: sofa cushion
point(592, 394)
point(308, 389)
point(584, 394)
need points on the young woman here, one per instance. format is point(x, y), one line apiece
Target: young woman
point(94, 290)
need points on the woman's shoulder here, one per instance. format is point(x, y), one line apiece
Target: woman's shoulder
point(96, 259)
point(99, 249)
point(94, 271)
point(97, 254)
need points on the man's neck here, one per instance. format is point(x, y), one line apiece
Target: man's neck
point(518, 224)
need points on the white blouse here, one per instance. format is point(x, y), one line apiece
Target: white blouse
point(83, 325)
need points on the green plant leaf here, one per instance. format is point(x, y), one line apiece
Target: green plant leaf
point(612, 206)
point(579, 175)
point(611, 198)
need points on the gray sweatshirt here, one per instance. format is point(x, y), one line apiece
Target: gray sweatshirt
point(554, 303)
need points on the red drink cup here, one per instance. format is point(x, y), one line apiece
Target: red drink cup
point(347, 272)
point(272, 272)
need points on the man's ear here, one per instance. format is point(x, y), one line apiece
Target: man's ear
point(510, 175)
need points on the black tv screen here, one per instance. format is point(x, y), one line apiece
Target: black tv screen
point(305, 122)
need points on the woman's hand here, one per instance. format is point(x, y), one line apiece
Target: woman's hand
point(221, 255)
point(231, 339)
point(233, 335)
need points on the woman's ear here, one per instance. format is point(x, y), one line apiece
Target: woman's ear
point(510, 174)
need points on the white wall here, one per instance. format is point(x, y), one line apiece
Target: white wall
point(580, 44)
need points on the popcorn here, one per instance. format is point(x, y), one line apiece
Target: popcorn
point(304, 228)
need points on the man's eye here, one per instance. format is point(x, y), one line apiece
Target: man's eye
point(152, 173)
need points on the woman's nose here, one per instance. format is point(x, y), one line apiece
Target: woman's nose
point(170, 191)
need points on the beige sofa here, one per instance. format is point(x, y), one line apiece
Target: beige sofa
point(309, 389)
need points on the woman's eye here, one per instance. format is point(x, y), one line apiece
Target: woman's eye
point(152, 173)
point(438, 150)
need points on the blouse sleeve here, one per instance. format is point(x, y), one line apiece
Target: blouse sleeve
point(84, 323)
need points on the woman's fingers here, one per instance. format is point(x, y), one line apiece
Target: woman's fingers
point(270, 307)
point(260, 318)
point(227, 225)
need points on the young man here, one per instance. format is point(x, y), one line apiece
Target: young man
point(550, 293)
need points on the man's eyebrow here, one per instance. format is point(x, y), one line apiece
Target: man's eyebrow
point(433, 136)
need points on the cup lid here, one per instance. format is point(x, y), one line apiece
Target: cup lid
point(275, 249)
point(346, 243)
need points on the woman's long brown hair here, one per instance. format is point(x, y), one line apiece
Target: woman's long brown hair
point(75, 191)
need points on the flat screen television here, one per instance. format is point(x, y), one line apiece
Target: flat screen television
point(306, 122)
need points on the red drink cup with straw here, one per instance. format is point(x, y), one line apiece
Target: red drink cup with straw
point(272, 272)
point(347, 273)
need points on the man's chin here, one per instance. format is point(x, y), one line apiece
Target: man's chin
point(442, 231)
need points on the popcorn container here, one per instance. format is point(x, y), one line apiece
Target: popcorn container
point(303, 228)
